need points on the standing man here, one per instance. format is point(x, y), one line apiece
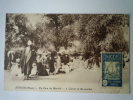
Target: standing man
point(27, 60)
point(51, 62)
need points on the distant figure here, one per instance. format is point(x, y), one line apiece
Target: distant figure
point(58, 63)
point(41, 65)
point(34, 69)
point(125, 59)
point(10, 56)
point(15, 69)
point(51, 61)
point(65, 59)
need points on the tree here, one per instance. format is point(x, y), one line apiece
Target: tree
point(96, 33)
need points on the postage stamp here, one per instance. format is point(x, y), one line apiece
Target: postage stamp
point(112, 69)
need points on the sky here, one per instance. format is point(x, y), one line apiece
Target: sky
point(33, 18)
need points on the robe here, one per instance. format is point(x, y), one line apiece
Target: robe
point(26, 63)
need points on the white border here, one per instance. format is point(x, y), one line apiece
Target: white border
point(62, 6)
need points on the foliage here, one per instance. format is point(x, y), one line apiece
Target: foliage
point(95, 32)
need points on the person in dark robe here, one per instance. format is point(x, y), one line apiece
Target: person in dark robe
point(41, 65)
point(65, 59)
point(6, 61)
point(27, 60)
point(51, 62)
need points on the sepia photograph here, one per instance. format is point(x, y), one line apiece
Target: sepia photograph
point(67, 53)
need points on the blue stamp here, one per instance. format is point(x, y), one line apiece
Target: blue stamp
point(112, 69)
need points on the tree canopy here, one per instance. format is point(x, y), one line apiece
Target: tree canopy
point(95, 32)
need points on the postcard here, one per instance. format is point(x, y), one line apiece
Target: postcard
point(86, 53)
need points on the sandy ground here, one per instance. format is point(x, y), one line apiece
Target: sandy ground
point(78, 80)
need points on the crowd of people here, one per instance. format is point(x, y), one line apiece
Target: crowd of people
point(31, 62)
